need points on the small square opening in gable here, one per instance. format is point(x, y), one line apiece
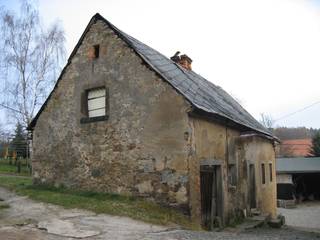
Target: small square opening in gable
point(96, 50)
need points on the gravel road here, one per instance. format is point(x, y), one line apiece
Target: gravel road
point(306, 216)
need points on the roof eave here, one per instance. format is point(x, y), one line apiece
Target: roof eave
point(198, 112)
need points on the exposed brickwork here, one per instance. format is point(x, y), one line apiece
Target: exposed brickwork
point(183, 60)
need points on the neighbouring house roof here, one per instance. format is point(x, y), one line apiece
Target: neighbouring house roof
point(297, 147)
point(202, 94)
point(298, 165)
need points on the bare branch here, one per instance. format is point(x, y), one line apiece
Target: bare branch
point(10, 108)
point(266, 121)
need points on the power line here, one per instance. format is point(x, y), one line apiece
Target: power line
point(300, 110)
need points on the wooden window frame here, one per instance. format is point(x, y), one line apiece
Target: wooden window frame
point(84, 106)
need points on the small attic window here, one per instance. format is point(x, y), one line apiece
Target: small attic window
point(96, 50)
point(93, 52)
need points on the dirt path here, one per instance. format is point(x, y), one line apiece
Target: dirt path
point(30, 220)
point(27, 219)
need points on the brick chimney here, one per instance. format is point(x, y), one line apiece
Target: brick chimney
point(183, 60)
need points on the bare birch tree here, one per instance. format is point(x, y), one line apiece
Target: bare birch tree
point(267, 121)
point(30, 58)
point(2, 134)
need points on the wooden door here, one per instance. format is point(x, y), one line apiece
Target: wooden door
point(211, 197)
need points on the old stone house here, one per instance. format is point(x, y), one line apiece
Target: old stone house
point(123, 118)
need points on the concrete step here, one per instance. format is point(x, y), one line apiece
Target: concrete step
point(278, 222)
point(255, 212)
point(253, 222)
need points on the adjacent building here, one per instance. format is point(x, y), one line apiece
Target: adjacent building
point(295, 147)
point(297, 180)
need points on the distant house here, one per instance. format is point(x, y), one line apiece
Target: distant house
point(123, 118)
point(298, 179)
point(295, 147)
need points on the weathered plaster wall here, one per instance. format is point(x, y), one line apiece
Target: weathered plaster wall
point(212, 141)
point(142, 149)
point(257, 150)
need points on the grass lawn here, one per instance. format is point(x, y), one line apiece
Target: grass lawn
point(7, 168)
point(113, 204)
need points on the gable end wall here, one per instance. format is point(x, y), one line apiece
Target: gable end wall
point(143, 147)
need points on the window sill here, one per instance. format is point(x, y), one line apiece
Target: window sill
point(93, 119)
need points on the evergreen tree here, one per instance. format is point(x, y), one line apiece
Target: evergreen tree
point(315, 149)
point(19, 142)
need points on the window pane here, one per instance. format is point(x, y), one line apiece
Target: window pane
point(101, 92)
point(96, 103)
point(270, 171)
point(97, 113)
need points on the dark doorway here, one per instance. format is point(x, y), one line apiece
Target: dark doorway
point(285, 191)
point(306, 186)
point(252, 186)
point(211, 196)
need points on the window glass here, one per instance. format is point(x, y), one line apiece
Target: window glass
point(97, 102)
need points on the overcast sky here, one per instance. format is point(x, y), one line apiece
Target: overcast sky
point(265, 53)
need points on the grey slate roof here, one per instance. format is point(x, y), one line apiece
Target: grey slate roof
point(201, 93)
point(298, 165)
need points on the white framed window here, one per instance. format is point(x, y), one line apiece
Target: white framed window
point(94, 105)
point(96, 102)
